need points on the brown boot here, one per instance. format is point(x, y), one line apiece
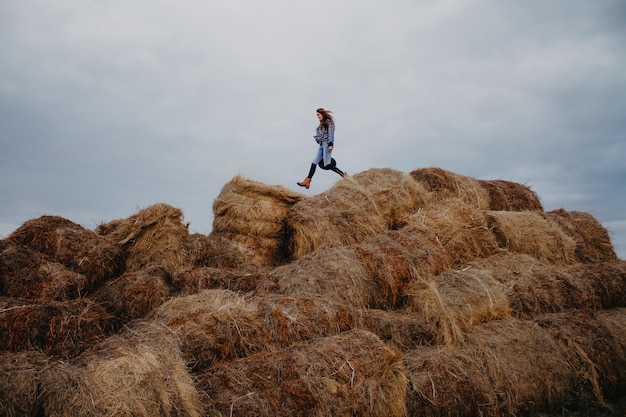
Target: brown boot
point(306, 183)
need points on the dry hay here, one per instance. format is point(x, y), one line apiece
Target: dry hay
point(606, 280)
point(31, 275)
point(63, 329)
point(530, 233)
point(593, 243)
point(253, 214)
point(192, 281)
point(461, 228)
point(219, 251)
point(345, 375)
point(81, 250)
point(214, 325)
point(396, 194)
point(445, 184)
point(135, 294)
point(402, 330)
point(140, 373)
point(19, 383)
point(510, 196)
point(343, 215)
point(456, 301)
point(396, 258)
point(154, 235)
point(507, 367)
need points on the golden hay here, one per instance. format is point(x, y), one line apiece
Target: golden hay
point(396, 194)
point(192, 281)
point(219, 251)
point(134, 294)
point(507, 367)
point(530, 233)
point(456, 301)
point(19, 383)
point(461, 229)
point(352, 374)
point(592, 239)
point(510, 196)
point(445, 184)
point(154, 235)
point(343, 215)
point(140, 373)
point(81, 250)
point(214, 325)
point(63, 329)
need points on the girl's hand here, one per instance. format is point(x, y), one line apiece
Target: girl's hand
point(330, 148)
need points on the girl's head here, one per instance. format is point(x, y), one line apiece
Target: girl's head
point(324, 115)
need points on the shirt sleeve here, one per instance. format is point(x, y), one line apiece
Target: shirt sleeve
point(331, 132)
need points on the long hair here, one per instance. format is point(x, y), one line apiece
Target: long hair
point(327, 118)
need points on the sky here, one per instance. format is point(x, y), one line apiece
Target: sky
point(108, 107)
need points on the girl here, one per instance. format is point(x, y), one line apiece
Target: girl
point(325, 137)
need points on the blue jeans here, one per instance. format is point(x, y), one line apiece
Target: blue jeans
point(323, 154)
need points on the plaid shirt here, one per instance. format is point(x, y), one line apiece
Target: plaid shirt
point(325, 133)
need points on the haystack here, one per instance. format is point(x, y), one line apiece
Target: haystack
point(19, 382)
point(253, 214)
point(220, 251)
point(396, 194)
point(193, 280)
point(154, 235)
point(135, 294)
point(510, 196)
point(507, 367)
point(530, 233)
point(593, 243)
point(606, 282)
point(445, 184)
point(81, 250)
point(62, 329)
point(32, 275)
point(352, 374)
point(343, 215)
point(140, 373)
point(461, 228)
point(456, 301)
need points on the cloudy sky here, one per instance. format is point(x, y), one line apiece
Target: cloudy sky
point(107, 107)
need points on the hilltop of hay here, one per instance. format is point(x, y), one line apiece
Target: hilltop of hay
point(427, 293)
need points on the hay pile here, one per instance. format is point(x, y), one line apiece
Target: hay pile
point(19, 382)
point(445, 184)
point(510, 196)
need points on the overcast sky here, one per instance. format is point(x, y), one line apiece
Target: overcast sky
point(107, 107)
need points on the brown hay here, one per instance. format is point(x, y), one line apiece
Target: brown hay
point(456, 301)
point(343, 215)
point(606, 280)
point(530, 233)
point(140, 373)
point(396, 194)
point(461, 229)
point(31, 275)
point(135, 294)
point(445, 184)
point(154, 235)
point(19, 383)
point(81, 250)
point(192, 281)
point(63, 329)
point(510, 196)
point(214, 325)
point(222, 252)
point(346, 375)
point(402, 330)
point(506, 368)
point(592, 239)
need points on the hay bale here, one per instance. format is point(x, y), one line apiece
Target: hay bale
point(222, 252)
point(606, 282)
point(506, 367)
point(70, 244)
point(510, 196)
point(530, 233)
point(593, 243)
point(343, 215)
point(62, 329)
point(140, 373)
point(192, 281)
point(19, 383)
point(401, 330)
point(445, 184)
point(135, 294)
point(346, 375)
point(461, 228)
point(155, 234)
point(456, 301)
point(396, 194)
